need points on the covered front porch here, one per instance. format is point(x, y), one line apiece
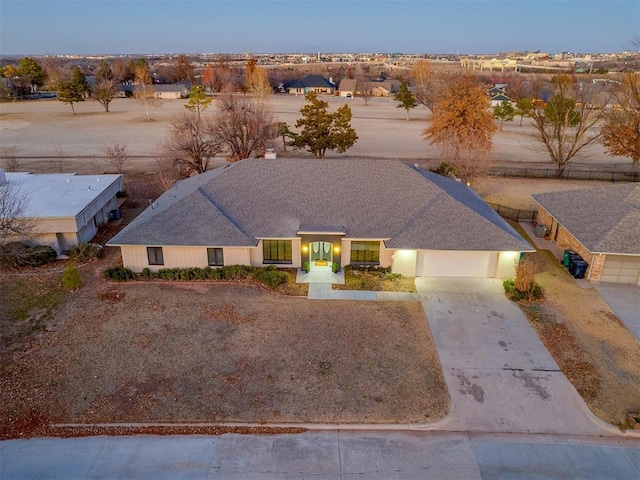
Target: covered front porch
point(321, 248)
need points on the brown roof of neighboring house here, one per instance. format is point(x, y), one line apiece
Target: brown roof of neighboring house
point(368, 199)
point(348, 85)
point(605, 219)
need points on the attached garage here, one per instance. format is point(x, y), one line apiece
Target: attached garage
point(442, 263)
point(621, 269)
point(602, 224)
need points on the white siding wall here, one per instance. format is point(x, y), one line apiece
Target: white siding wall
point(385, 256)
point(506, 264)
point(235, 256)
point(404, 262)
point(135, 257)
point(345, 246)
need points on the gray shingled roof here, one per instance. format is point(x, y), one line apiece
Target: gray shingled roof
point(605, 219)
point(376, 199)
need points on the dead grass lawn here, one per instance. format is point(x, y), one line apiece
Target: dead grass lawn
point(196, 352)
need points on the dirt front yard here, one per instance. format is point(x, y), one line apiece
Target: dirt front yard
point(197, 352)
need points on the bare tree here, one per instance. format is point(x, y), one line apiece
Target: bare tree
point(105, 91)
point(467, 163)
point(9, 156)
point(15, 226)
point(168, 171)
point(565, 125)
point(242, 127)
point(144, 91)
point(190, 144)
point(61, 154)
point(117, 156)
point(365, 91)
point(426, 88)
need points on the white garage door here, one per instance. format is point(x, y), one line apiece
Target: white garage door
point(621, 269)
point(436, 263)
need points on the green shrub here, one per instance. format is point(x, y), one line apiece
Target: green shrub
point(447, 170)
point(534, 292)
point(270, 276)
point(213, 273)
point(147, 274)
point(119, 274)
point(71, 278)
point(86, 251)
point(335, 267)
point(394, 277)
point(235, 272)
point(306, 266)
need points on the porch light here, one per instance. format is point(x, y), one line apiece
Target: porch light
point(305, 248)
point(336, 249)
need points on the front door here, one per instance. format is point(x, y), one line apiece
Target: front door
point(320, 255)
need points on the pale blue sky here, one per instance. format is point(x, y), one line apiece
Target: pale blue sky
point(422, 26)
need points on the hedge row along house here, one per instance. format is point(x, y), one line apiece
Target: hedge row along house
point(287, 212)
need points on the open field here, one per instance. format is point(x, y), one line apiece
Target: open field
point(36, 128)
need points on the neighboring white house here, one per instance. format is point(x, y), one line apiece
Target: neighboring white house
point(287, 212)
point(66, 208)
point(174, 91)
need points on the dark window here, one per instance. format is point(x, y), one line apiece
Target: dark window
point(276, 251)
point(365, 252)
point(214, 255)
point(154, 254)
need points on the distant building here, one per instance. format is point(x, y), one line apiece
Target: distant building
point(310, 83)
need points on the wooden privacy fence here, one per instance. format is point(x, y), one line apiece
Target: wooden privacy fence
point(515, 214)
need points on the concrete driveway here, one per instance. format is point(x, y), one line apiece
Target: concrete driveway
point(500, 376)
point(624, 300)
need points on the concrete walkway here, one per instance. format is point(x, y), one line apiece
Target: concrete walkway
point(326, 455)
point(323, 291)
point(499, 375)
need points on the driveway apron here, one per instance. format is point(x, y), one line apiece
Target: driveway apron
point(500, 376)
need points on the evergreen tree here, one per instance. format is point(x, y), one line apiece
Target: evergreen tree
point(322, 130)
point(504, 112)
point(406, 98)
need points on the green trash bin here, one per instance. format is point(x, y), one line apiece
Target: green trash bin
point(566, 259)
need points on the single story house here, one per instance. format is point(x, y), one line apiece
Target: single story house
point(66, 209)
point(173, 91)
point(287, 212)
point(602, 224)
point(350, 87)
point(347, 87)
point(310, 83)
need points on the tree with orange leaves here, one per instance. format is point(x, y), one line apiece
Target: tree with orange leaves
point(621, 130)
point(463, 127)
